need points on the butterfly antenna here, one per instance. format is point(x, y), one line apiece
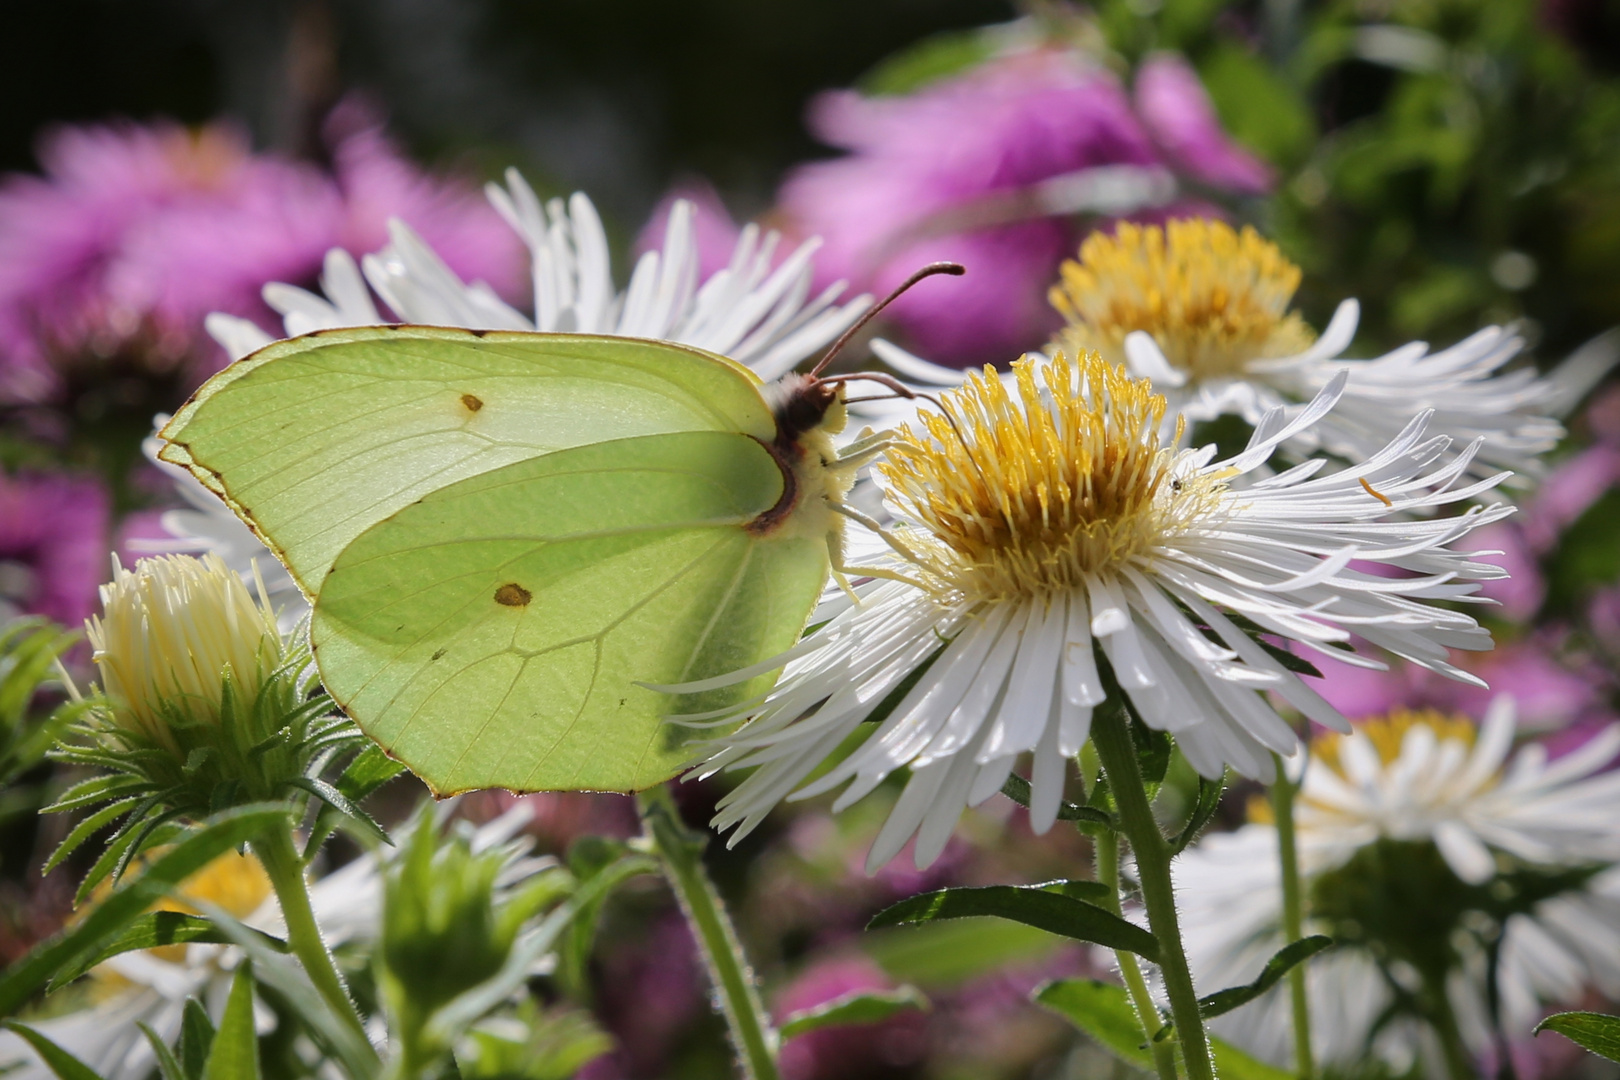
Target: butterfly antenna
point(953, 269)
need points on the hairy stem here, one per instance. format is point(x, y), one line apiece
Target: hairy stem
point(1147, 1014)
point(1111, 736)
point(1282, 805)
point(282, 864)
point(681, 852)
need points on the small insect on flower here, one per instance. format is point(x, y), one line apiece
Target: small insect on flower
point(1047, 525)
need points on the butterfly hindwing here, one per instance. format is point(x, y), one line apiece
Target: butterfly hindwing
point(495, 633)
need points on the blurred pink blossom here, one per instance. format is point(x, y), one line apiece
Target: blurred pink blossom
point(1178, 113)
point(53, 545)
point(834, 1053)
point(1520, 593)
point(713, 227)
point(919, 168)
point(1568, 492)
point(135, 233)
point(1551, 694)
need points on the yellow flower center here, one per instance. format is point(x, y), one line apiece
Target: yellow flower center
point(1386, 733)
point(1212, 298)
point(1028, 496)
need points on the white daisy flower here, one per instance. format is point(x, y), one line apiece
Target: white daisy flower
point(1035, 522)
point(1203, 310)
point(152, 986)
point(764, 318)
point(1419, 836)
point(760, 317)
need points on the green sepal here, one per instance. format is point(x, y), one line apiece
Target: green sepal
point(87, 828)
point(370, 769)
point(363, 822)
point(855, 1007)
point(1597, 1032)
point(1033, 905)
point(235, 1053)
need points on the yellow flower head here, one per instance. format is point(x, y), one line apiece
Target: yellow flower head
point(1028, 495)
point(168, 632)
point(1213, 298)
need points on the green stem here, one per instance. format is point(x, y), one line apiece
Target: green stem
point(1106, 843)
point(279, 856)
point(1282, 805)
point(1111, 735)
point(681, 851)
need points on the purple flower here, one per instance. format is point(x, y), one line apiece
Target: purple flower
point(1177, 112)
point(853, 1051)
point(53, 545)
point(1568, 492)
point(927, 174)
point(1520, 593)
point(134, 234)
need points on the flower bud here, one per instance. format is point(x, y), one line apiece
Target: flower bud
point(169, 632)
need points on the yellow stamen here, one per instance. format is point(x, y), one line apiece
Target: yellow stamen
point(1212, 298)
point(1028, 496)
point(1369, 488)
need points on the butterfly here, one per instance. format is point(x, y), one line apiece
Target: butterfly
point(511, 538)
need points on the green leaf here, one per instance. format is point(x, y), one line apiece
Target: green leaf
point(1204, 807)
point(196, 1038)
point(62, 1063)
point(944, 955)
point(87, 828)
point(153, 930)
point(1295, 952)
point(287, 979)
point(1258, 108)
point(1224, 1001)
point(235, 1055)
point(168, 1067)
point(1597, 1032)
point(1032, 905)
point(127, 903)
point(856, 1007)
point(1104, 1012)
point(1017, 789)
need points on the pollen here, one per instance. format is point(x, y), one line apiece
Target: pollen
point(1029, 491)
point(1212, 297)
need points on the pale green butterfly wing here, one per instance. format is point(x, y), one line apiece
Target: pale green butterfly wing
point(313, 440)
point(495, 633)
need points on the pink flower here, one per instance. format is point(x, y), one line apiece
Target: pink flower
point(134, 234)
point(53, 545)
point(1520, 593)
point(852, 1051)
point(923, 170)
point(1178, 113)
point(1568, 492)
point(1011, 123)
point(713, 227)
